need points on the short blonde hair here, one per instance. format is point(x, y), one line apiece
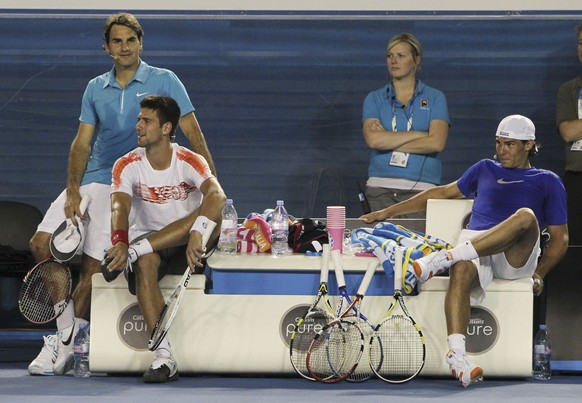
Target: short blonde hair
point(410, 39)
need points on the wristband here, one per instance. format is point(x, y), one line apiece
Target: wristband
point(119, 235)
point(139, 248)
point(200, 224)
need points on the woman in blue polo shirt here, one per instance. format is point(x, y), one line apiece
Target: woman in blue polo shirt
point(406, 124)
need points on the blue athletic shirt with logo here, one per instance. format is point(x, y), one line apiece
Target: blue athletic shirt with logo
point(113, 111)
point(500, 192)
point(427, 104)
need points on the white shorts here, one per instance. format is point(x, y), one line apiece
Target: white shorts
point(97, 225)
point(497, 266)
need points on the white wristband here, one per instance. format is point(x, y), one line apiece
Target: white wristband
point(200, 224)
point(141, 247)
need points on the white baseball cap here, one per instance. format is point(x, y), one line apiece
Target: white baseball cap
point(516, 127)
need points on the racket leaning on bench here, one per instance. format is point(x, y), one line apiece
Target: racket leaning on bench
point(397, 348)
point(46, 288)
point(173, 302)
point(317, 316)
point(335, 352)
point(363, 371)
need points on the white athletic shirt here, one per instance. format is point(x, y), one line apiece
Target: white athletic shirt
point(160, 197)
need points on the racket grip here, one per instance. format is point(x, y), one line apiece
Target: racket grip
point(338, 267)
point(397, 268)
point(210, 225)
point(370, 270)
point(84, 203)
point(325, 263)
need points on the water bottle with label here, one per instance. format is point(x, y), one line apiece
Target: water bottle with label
point(542, 352)
point(227, 240)
point(81, 351)
point(280, 230)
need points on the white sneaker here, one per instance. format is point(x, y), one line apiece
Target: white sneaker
point(43, 363)
point(65, 356)
point(163, 369)
point(463, 369)
point(432, 264)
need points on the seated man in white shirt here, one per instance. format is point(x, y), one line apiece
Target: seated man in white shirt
point(165, 187)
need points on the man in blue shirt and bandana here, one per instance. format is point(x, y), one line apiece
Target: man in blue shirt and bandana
point(109, 111)
point(513, 202)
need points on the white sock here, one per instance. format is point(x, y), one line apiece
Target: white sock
point(164, 349)
point(67, 318)
point(457, 343)
point(464, 251)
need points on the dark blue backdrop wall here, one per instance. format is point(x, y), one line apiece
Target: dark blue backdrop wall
point(279, 99)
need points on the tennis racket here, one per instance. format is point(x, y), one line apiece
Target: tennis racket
point(363, 371)
point(314, 319)
point(46, 288)
point(173, 303)
point(397, 349)
point(45, 291)
point(335, 352)
point(68, 237)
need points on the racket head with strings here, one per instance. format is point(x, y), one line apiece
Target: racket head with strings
point(397, 348)
point(312, 322)
point(67, 239)
point(335, 352)
point(170, 309)
point(45, 291)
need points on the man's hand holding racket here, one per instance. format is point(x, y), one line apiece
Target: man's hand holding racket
point(170, 310)
point(196, 250)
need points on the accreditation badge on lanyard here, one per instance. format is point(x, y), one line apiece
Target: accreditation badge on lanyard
point(577, 145)
point(399, 158)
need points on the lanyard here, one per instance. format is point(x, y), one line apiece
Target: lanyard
point(408, 117)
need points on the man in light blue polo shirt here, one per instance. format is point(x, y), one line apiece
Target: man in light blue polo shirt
point(106, 131)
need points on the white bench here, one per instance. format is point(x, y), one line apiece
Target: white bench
point(215, 333)
point(248, 333)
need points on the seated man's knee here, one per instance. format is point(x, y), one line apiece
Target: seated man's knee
point(39, 245)
point(147, 264)
point(526, 217)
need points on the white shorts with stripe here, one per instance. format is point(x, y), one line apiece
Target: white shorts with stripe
point(96, 239)
point(497, 266)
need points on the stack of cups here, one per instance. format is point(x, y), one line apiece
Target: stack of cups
point(336, 223)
